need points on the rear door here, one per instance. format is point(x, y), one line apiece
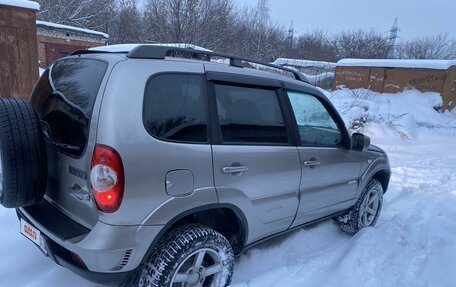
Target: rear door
point(330, 168)
point(64, 99)
point(256, 166)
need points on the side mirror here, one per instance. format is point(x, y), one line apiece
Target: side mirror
point(360, 142)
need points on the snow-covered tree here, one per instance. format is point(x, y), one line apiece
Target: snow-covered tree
point(126, 27)
point(92, 14)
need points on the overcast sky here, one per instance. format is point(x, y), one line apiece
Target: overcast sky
point(416, 17)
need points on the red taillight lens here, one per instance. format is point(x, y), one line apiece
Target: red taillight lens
point(107, 178)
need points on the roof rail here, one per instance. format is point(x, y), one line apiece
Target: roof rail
point(160, 52)
point(84, 52)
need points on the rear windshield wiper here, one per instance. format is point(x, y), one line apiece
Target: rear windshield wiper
point(46, 132)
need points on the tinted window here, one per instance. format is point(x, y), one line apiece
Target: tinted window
point(64, 98)
point(250, 115)
point(175, 109)
point(315, 124)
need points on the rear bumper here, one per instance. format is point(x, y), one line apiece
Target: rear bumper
point(107, 254)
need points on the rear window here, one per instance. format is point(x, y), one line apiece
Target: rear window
point(64, 99)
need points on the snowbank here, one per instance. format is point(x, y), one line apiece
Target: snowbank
point(425, 64)
point(401, 114)
point(72, 28)
point(32, 5)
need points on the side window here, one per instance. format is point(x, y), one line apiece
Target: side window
point(250, 115)
point(175, 108)
point(315, 124)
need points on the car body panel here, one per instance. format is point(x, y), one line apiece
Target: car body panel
point(270, 184)
point(146, 159)
point(330, 186)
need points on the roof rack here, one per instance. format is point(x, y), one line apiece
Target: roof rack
point(160, 52)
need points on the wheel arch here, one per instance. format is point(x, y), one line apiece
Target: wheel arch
point(383, 176)
point(209, 215)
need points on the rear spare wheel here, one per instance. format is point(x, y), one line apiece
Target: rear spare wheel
point(23, 155)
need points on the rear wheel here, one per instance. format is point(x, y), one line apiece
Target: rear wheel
point(191, 256)
point(366, 211)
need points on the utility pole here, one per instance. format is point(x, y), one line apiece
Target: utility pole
point(393, 35)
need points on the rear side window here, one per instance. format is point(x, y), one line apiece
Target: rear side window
point(64, 99)
point(175, 108)
point(250, 115)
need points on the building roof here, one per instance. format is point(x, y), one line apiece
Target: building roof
point(71, 28)
point(21, 4)
point(423, 64)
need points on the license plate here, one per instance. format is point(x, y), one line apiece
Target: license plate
point(33, 234)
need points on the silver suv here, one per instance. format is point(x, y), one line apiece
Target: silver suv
point(156, 166)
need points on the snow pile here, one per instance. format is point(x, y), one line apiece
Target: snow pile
point(322, 80)
point(32, 5)
point(389, 116)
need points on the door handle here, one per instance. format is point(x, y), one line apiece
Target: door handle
point(234, 169)
point(311, 163)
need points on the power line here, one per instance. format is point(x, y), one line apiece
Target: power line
point(290, 35)
point(393, 35)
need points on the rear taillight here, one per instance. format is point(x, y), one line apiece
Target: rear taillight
point(107, 178)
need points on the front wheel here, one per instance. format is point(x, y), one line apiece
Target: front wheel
point(190, 256)
point(366, 211)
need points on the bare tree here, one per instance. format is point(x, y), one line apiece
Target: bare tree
point(92, 14)
point(362, 44)
point(201, 22)
point(126, 26)
point(256, 35)
point(428, 47)
point(315, 45)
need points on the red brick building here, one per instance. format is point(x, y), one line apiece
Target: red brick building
point(56, 41)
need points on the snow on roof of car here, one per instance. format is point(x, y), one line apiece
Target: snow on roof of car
point(73, 28)
point(425, 64)
point(21, 3)
point(303, 63)
point(128, 47)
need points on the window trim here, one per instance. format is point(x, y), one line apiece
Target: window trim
point(205, 98)
point(240, 79)
point(216, 129)
point(333, 114)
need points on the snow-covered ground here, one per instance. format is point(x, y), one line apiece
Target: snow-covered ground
point(413, 243)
